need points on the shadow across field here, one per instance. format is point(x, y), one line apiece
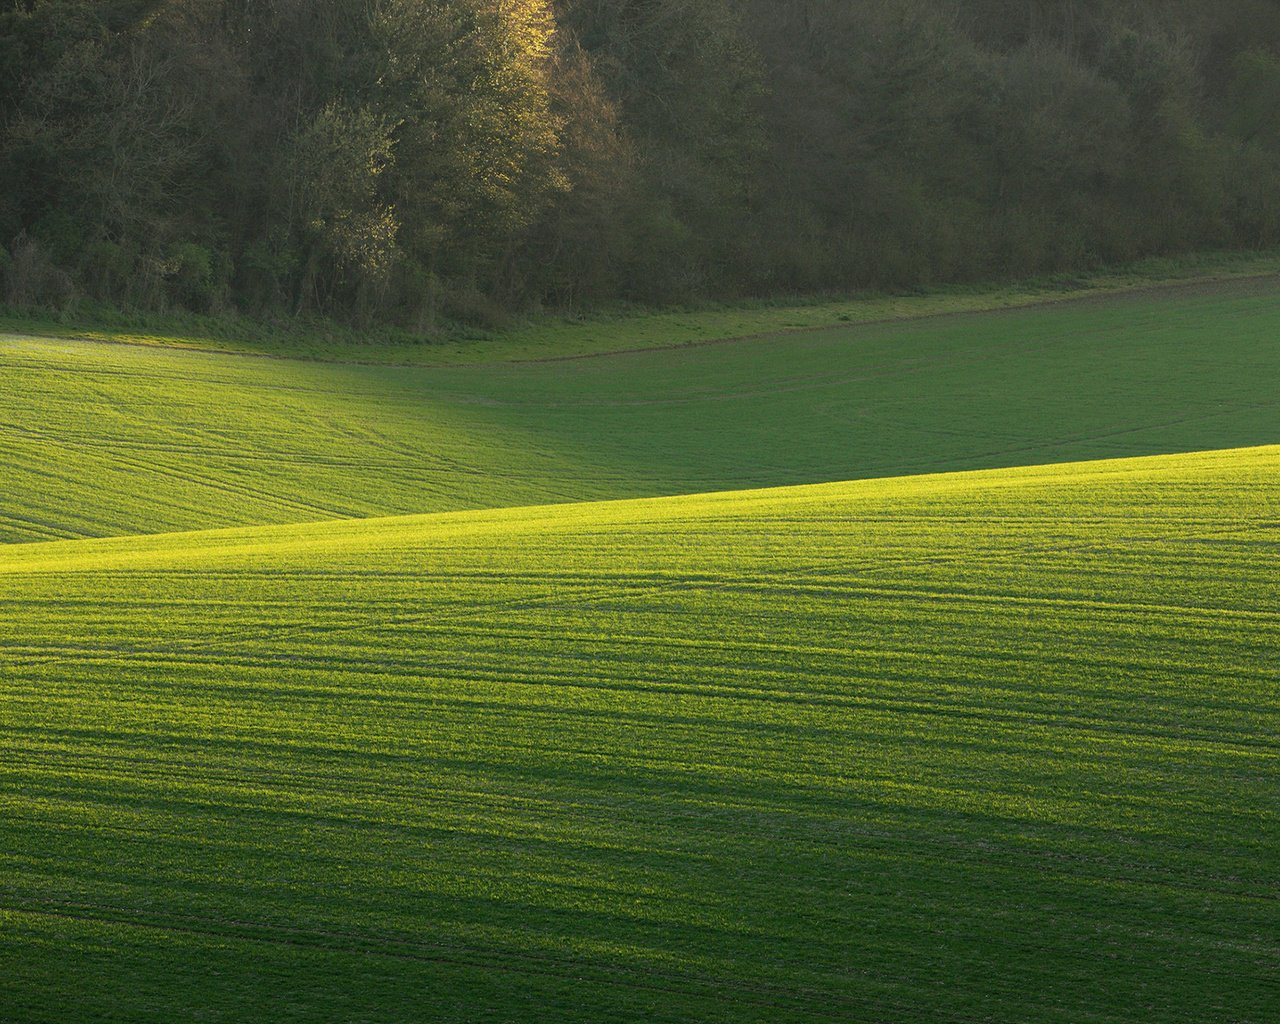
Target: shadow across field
point(101, 440)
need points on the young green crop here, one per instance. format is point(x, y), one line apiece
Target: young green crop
point(100, 440)
point(1000, 746)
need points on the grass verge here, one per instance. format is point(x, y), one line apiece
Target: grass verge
point(558, 336)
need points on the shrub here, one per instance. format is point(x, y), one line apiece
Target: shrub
point(31, 278)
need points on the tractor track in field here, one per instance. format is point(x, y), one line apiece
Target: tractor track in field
point(1207, 286)
point(1104, 297)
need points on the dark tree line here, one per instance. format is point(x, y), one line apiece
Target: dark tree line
point(406, 159)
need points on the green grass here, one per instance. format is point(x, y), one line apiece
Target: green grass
point(553, 335)
point(997, 746)
point(100, 440)
point(1001, 746)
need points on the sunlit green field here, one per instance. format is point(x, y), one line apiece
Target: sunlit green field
point(106, 440)
point(355, 693)
point(999, 746)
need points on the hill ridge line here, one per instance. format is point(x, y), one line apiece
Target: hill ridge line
point(999, 477)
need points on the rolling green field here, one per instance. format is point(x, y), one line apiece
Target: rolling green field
point(1000, 746)
point(894, 710)
point(106, 440)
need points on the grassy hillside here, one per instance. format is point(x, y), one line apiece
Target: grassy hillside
point(100, 439)
point(1000, 746)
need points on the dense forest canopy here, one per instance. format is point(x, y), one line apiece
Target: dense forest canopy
point(407, 159)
